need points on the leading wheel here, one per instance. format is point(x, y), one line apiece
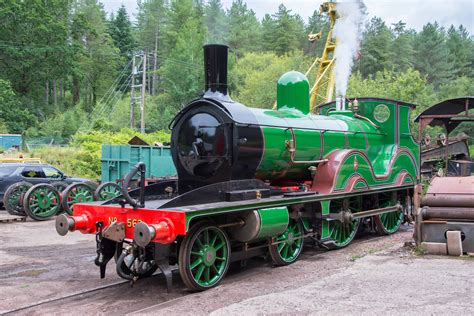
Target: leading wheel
point(76, 193)
point(204, 257)
point(41, 202)
point(107, 191)
point(342, 233)
point(388, 223)
point(288, 246)
point(13, 198)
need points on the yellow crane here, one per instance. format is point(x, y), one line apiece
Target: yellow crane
point(323, 89)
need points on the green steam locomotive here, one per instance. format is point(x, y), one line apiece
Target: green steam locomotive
point(257, 181)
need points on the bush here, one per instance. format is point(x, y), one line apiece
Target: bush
point(82, 157)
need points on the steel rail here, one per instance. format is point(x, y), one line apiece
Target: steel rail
point(56, 299)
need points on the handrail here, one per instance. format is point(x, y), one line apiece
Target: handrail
point(138, 168)
point(291, 146)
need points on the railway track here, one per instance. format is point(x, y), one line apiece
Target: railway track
point(149, 295)
point(58, 299)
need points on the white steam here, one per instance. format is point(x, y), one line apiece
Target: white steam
point(348, 34)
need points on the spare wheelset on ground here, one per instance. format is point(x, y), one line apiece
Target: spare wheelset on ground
point(42, 201)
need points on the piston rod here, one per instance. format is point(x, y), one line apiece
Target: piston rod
point(377, 211)
point(349, 217)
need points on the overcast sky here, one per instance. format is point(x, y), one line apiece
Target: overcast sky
point(415, 13)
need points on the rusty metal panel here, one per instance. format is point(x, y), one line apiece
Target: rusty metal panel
point(432, 232)
point(452, 185)
point(450, 192)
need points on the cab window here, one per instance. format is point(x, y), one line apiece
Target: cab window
point(51, 172)
point(32, 172)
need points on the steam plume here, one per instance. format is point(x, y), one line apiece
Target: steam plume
point(348, 33)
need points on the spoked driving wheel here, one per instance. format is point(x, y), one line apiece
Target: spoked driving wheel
point(288, 246)
point(107, 191)
point(76, 193)
point(388, 223)
point(343, 232)
point(41, 202)
point(13, 198)
point(204, 257)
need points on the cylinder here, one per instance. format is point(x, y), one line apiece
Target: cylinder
point(439, 199)
point(262, 223)
point(215, 68)
point(448, 213)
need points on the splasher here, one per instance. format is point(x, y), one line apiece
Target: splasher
point(348, 33)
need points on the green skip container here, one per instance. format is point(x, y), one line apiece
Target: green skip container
point(117, 160)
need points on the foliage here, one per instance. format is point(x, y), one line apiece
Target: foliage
point(82, 158)
point(244, 32)
point(283, 32)
point(13, 117)
point(253, 81)
point(376, 52)
point(432, 54)
point(409, 86)
point(215, 21)
point(120, 29)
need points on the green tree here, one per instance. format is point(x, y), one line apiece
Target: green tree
point(151, 21)
point(96, 56)
point(34, 48)
point(432, 54)
point(216, 22)
point(402, 47)
point(181, 73)
point(244, 33)
point(408, 86)
point(285, 32)
point(13, 115)
point(120, 29)
point(255, 76)
point(461, 47)
point(376, 53)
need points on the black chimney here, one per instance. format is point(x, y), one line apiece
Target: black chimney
point(215, 68)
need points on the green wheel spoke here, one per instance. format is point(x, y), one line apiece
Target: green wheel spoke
point(289, 244)
point(199, 272)
point(195, 264)
point(285, 251)
point(213, 241)
point(219, 246)
point(199, 243)
point(207, 274)
point(280, 246)
point(208, 255)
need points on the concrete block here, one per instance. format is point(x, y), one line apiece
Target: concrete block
point(454, 243)
point(435, 248)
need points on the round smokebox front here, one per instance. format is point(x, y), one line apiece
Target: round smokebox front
point(202, 143)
